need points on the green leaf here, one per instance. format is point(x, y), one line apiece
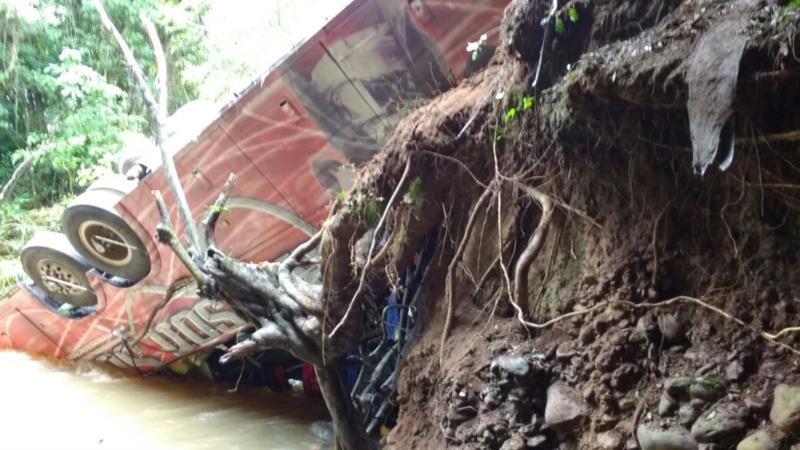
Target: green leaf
point(573, 14)
point(527, 102)
point(559, 25)
point(510, 114)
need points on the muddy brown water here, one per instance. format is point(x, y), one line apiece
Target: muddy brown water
point(48, 405)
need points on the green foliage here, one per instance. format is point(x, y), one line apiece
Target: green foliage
point(366, 208)
point(83, 128)
point(572, 13)
point(518, 104)
point(66, 89)
point(707, 381)
point(414, 196)
point(788, 9)
point(17, 225)
point(559, 25)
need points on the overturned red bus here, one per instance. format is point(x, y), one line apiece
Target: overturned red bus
point(104, 290)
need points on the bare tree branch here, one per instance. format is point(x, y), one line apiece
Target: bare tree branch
point(165, 233)
point(158, 112)
point(161, 71)
point(210, 222)
point(15, 177)
point(130, 59)
point(289, 284)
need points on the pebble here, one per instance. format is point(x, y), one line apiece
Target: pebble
point(515, 365)
point(610, 440)
point(689, 412)
point(672, 329)
point(537, 442)
point(724, 425)
point(785, 412)
point(513, 443)
point(760, 440)
point(678, 387)
point(667, 405)
point(709, 390)
point(734, 372)
point(653, 437)
point(565, 411)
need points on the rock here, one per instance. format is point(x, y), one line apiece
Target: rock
point(513, 443)
point(756, 406)
point(537, 442)
point(689, 412)
point(724, 425)
point(760, 440)
point(587, 336)
point(648, 329)
point(678, 387)
point(610, 440)
point(734, 372)
point(672, 329)
point(667, 405)
point(653, 437)
point(707, 389)
point(565, 351)
point(565, 411)
point(785, 412)
point(513, 364)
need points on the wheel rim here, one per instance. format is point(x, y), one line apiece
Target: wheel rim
point(59, 278)
point(105, 244)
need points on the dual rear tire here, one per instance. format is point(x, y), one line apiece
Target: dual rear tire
point(95, 236)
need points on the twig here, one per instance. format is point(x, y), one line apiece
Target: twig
point(368, 262)
point(176, 286)
point(451, 269)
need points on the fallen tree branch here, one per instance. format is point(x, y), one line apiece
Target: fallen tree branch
point(308, 304)
point(165, 233)
point(210, 222)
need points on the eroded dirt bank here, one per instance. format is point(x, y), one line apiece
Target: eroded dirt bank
point(586, 205)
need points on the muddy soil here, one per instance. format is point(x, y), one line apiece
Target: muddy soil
point(665, 276)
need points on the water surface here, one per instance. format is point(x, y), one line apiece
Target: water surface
point(49, 405)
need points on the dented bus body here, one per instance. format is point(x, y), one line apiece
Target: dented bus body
point(292, 138)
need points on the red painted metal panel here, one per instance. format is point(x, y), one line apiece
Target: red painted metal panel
point(292, 139)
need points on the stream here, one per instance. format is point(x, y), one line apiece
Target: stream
point(47, 404)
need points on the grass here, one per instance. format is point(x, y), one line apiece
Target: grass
point(17, 226)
